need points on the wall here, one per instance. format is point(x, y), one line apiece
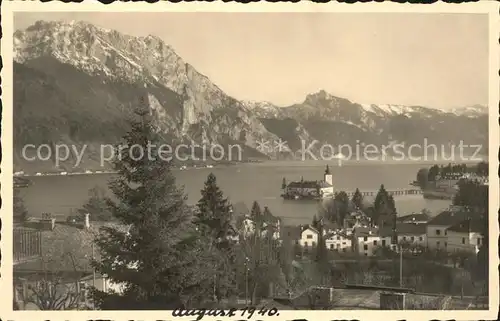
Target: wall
point(456, 241)
point(370, 243)
point(341, 245)
point(433, 238)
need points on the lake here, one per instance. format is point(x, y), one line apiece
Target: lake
point(246, 183)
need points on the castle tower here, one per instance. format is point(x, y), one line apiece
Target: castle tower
point(328, 176)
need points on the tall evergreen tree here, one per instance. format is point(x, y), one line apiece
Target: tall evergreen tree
point(357, 199)
point(384, 206)
point(162, 262)
point(214, 220)
point(342, 206)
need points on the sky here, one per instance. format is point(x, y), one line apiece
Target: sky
point(428, 59)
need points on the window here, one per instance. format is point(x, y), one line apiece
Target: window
point(463, 240)
point(313, 243)
point(365, 247)
point(383, 242)
point(438, 232)
point(420, 239)
point(437, 244)
point(412, 238)
point(338, 238)
point(343, 243)
point(404, 238)
point(445, 232)
point(309, 236)
point(338, 245)
point(366, 254)
point(331, 246)
point(344, 250)
point(375, 242)
point(305, 244)
point(297, 242)
point(365, 238)
point(479, 241)
point(445, 244)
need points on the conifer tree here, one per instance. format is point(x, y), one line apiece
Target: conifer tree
point(384, 206)
point(214, 219)
point(161, 262)
point(357, 199)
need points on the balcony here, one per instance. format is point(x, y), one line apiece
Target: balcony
point(27, 244)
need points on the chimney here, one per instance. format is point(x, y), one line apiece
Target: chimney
point(86, 223)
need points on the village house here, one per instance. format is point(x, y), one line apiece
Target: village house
point(465, 236)
point(436, 229)
point(414, 218)
point(64, 266)
point(366, 240)
point(308, 236)
point(408, 235)
point(270, 225)
point(338, 241)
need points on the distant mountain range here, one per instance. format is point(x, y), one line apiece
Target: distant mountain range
point(76, 83)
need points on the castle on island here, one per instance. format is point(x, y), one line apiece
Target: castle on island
point(309, 189)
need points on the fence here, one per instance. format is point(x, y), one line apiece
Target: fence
point(27, 244)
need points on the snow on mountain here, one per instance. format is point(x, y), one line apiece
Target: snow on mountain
point(470, 111)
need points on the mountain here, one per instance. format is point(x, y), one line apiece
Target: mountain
point(76, 84)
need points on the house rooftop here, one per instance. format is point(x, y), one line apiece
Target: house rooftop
point(404, 229)
point(467, 226)
point(365, 231)
point(68, 248)
point(417, 217)
point(447, 218)
point(309, 184)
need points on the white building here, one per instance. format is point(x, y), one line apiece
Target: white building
point(465, 236)
point(436, 231)
point(308, 237)
point(339, 242)
point(366, 240)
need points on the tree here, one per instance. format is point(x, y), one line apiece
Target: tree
point(161, 262)
point(259, 254)
point(19, 209)
point(384, 206)
point(433, 172)
point(357, 199)
point(283, 183)
point(482, 169)
point(214, 220)
point(321, 257)
point(255, 212)
point(342, 206)
point(423, 177)
point(54, 292)
point(96, 205)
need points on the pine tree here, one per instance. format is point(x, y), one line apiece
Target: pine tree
point(342, 206)
point(161, 262)
point(19, 209)
point(384, 206)
point(357, 199)
point(214, 219)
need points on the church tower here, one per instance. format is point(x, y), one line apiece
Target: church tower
point(329, 190)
